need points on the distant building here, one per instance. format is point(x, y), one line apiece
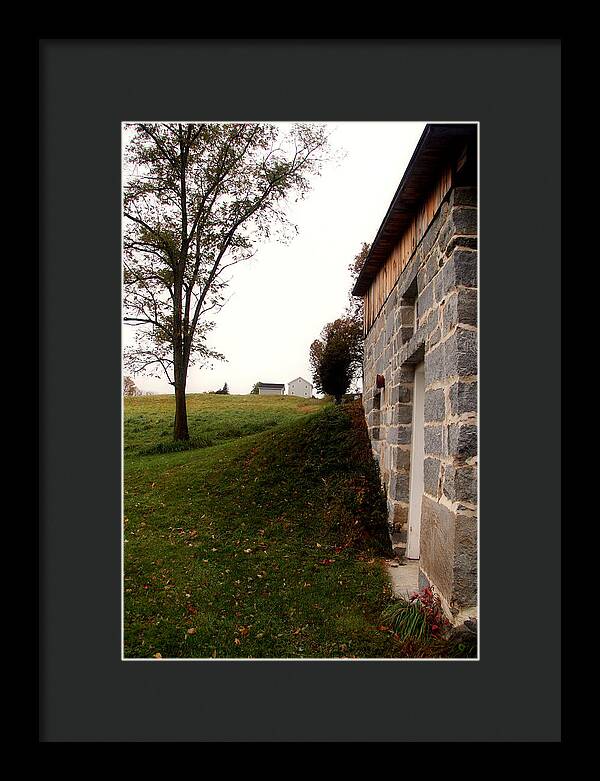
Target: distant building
point(271, 389)
point(300, 387)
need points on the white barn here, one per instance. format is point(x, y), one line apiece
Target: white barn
point(271, 389)
point(300, 387)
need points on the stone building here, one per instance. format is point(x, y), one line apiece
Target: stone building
point(419, 288)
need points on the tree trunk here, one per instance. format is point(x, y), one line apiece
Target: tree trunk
point(180, 428)
point(338, 399)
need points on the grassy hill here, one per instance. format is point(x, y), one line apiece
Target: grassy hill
point(263, 540)
point(212, 418)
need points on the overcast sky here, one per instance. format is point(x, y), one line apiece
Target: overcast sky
point(281, 299)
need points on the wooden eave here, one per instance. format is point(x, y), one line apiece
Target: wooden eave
point(439, 143)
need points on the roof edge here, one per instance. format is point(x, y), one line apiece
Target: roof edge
point(432, 136)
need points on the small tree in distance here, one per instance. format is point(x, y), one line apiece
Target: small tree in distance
point(254, 388)
point(223, 390)
point(336, 356)
point(130, 388)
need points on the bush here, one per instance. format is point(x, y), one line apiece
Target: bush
point(418, 617)
point(407, 619)
point(424, 632)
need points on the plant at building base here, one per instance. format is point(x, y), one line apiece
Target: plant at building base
point(254, 388)
point(197, 200)
point(419, 617)
point(336, 356)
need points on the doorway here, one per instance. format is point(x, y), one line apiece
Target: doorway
point(417, 457)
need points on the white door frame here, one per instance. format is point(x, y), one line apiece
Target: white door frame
point(417, 457)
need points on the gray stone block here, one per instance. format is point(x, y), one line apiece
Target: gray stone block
point(437, 544)
point(434, 365)
point(463, 397)
point(404, 394)
point(463, 267)
point(435, 405)
point(433, 440)
point(398, 486)
point(402, 413)
point(460, 354)
point(425, 300)
point(460, 483)
point(467, 306)
point(462, 242)
point(433, 265)
point(433, 338)
point(462, 440)
point(448, 480)
point(460, 307)
point(405, 334)
point(400, 458)
point(431, 473)
point(404, 374)
point(465, 561)
point(389, 325)
point(465, 220)
point(459, 270)
point(465, 484)
point(403, 434)
point(464, 196)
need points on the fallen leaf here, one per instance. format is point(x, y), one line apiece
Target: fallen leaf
point(191, 631)
point(158, 656)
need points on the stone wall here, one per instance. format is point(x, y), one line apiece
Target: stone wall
point(431, 316)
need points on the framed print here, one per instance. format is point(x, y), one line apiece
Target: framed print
point(306, 452)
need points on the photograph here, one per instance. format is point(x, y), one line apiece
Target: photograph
point(300, 390)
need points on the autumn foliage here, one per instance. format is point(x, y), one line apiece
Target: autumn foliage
point(336, 357)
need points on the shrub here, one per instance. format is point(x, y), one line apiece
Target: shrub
point(418, 617)
point(407, 619)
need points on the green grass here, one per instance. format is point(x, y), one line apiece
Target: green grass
point(211, 418)
point(264, 544)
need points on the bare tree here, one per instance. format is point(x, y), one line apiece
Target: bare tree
point(198, 198)
point(354, 307)
point(130, 388)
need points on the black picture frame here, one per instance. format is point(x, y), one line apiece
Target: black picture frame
point(87, 87)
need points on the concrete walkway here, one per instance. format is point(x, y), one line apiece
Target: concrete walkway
point(404, 577)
